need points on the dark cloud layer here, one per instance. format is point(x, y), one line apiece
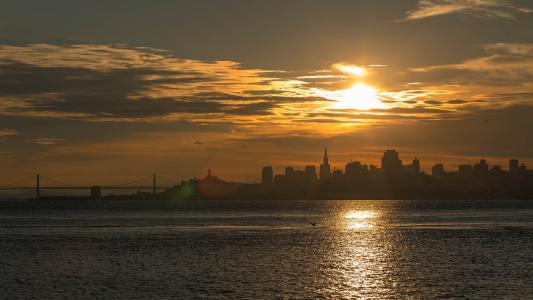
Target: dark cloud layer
point(103, 93)
point(102, 83)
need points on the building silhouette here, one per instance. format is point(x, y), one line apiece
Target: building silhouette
point(391, 163)
point(464, 169)
point(481, 167)
point(325, 169)
point(513, 165)
point(293, 177)
point(311, 172)
point(355, 169)
point(337, 174)
point(414, 167)
point(279, 180)
point(289, 171)
point(437, 170)
point(267, 176)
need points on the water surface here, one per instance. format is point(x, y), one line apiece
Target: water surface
point(262, 250)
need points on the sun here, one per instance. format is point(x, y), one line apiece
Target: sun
point(359, 96)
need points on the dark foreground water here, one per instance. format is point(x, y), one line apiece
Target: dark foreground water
point(260, 250)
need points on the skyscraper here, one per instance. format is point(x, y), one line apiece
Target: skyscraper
point(267, 176)
point(465, 169)
point(354, 169)
point(415, 166)
point(289, 171)
point(325, 169)
point(481, 167)
point(437, 170)
point(390, 162)
point(310, 171)
point(513, 165)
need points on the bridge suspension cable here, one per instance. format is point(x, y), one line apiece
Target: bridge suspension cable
point(19, 182)
point(55, 181)
point(133, 182)
point(167, 179)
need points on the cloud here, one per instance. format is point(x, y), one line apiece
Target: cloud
point(503, 64)
point(142, 86)
point(482, 8)
point(433, 102)
point(116, 83)
point(103, 83)
point(413, 110)
point(8, 132)
point(457, 102)
point(44, 141)
point(451, 102)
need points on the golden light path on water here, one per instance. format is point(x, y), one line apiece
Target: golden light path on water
point(361, 254)
point(360, 220)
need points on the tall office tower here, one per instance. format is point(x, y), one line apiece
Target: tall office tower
point(390, 162)
point(267, 176)
point(325, 169)
point(513, 165)
point(415, 167)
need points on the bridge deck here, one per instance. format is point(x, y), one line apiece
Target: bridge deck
point(83, 188)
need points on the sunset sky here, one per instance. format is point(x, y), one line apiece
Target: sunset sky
point(103, 91)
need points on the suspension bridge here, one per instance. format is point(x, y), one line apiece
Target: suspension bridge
point(38, 183)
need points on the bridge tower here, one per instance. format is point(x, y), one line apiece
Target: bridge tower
point(154, 184)
point(37, 187)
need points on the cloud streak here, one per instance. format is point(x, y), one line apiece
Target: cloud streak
point(44, 141)
point(503, 65)
point(8, 132)
point(481, 8)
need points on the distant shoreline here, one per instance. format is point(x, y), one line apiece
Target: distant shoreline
point(86, 202)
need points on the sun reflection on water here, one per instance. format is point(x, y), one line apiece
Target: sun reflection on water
point(360, 220)
point(361, 214)
point(359, 226)
point(360, 254)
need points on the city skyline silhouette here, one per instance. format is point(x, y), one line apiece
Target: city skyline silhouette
point(391, 179)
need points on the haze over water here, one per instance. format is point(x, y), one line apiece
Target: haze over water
point(263, 250)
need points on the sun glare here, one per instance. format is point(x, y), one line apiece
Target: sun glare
point(351, 69)
point(359, 96)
